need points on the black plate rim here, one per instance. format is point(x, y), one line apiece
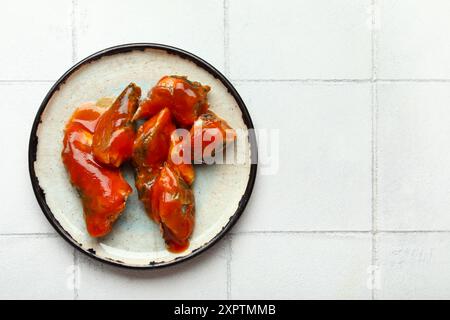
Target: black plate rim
point(33, 143)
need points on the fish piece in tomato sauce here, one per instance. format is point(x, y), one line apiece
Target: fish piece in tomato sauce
point(209, 134)
point(180, 156)
point(150, 151)
point(103, 190)
point(174, 204)
point(114, 134)
point(145, 178)
point(186, 100)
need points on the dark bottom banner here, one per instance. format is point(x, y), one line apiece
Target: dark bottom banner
point(227, 309)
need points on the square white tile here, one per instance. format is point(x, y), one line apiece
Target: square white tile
point(36, 39)
point(300, 266)
point(204, 277)
point(194, 26)
point(300, 39)
point(321, 177)
point(21, 212)
point(413, 156)
point(413, 266)
point(412, 39)
point(36, 268)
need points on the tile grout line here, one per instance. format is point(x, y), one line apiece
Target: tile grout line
point(339, 232)
point(373, 146)
point(226, 39)
point(12, 82)
point(439, 80)
point(76, 274)
point(373, 40)
point(302, 232)
point(229, 257)
point(226, 52)
point(412, 231)
point(306, 81)
point(342, 232)
point(321, 81)
point(29, 235)
point(74, 59)
point(73, 26)
point(374, 268)
point(374, 184)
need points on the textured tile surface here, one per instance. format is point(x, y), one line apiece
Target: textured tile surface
point(413, 266)
point(300, 39)
point(36, 268)
point(36, 39)
point(321, 179)
point(300, 266)
point(202, 278)
point(21, 213)
point(194, 26)
point(413, 156)
point(413, 39)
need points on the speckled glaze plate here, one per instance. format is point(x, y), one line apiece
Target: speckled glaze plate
point(221, 191)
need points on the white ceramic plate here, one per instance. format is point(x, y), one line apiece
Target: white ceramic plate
point(221, 191)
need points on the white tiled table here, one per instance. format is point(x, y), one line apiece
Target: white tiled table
point(360, 205)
